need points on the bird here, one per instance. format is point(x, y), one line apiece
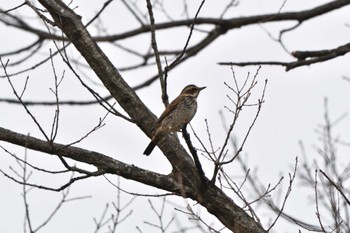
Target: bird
point(176, 116)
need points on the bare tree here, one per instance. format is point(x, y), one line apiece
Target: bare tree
point(77, 43)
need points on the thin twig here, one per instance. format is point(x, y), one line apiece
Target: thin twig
point(13, 8)
point(20, 100)
point(156, 53)
point(54, 128)
point(30, 165)
point(138, 193)
point(291, 180)
point(336, 186)
point(316, 202)
point(189, 36)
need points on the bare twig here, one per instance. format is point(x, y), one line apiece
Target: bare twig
point(54, 128)
point(63, 200)
point(232, 3)
point(197, 218)
point(24, 176)
point(20, 100)
point(237, 190)
point(13, 8)
point(30, 165)
point(63, 187)
point(138, 193)
point(25, 190)
point(317, 206)
point(109, 107)
point(97, 15)
point(133, 10)
point(156, 54)
point(160, 216)
point(291, 180)
point(116, 217)
point(99, 125)
point(242, 97)
point(336, 186)
point(188, 38)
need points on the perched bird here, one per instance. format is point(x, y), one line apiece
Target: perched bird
point(177, 115)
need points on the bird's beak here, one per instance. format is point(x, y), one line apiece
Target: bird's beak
point(201, 88)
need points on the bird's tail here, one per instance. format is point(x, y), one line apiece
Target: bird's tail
point(155, 139)
point(149, 148)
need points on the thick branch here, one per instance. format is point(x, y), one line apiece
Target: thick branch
point(102, 162)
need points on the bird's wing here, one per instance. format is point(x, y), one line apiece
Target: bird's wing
point(172, 106)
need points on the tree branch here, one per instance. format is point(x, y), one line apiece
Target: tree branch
point(314, 57)
point(103, 163)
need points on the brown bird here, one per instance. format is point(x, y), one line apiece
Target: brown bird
point(177, 115)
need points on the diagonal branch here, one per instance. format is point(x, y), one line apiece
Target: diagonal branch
point(103, 163)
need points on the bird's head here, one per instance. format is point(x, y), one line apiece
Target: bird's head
point(191, 90)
